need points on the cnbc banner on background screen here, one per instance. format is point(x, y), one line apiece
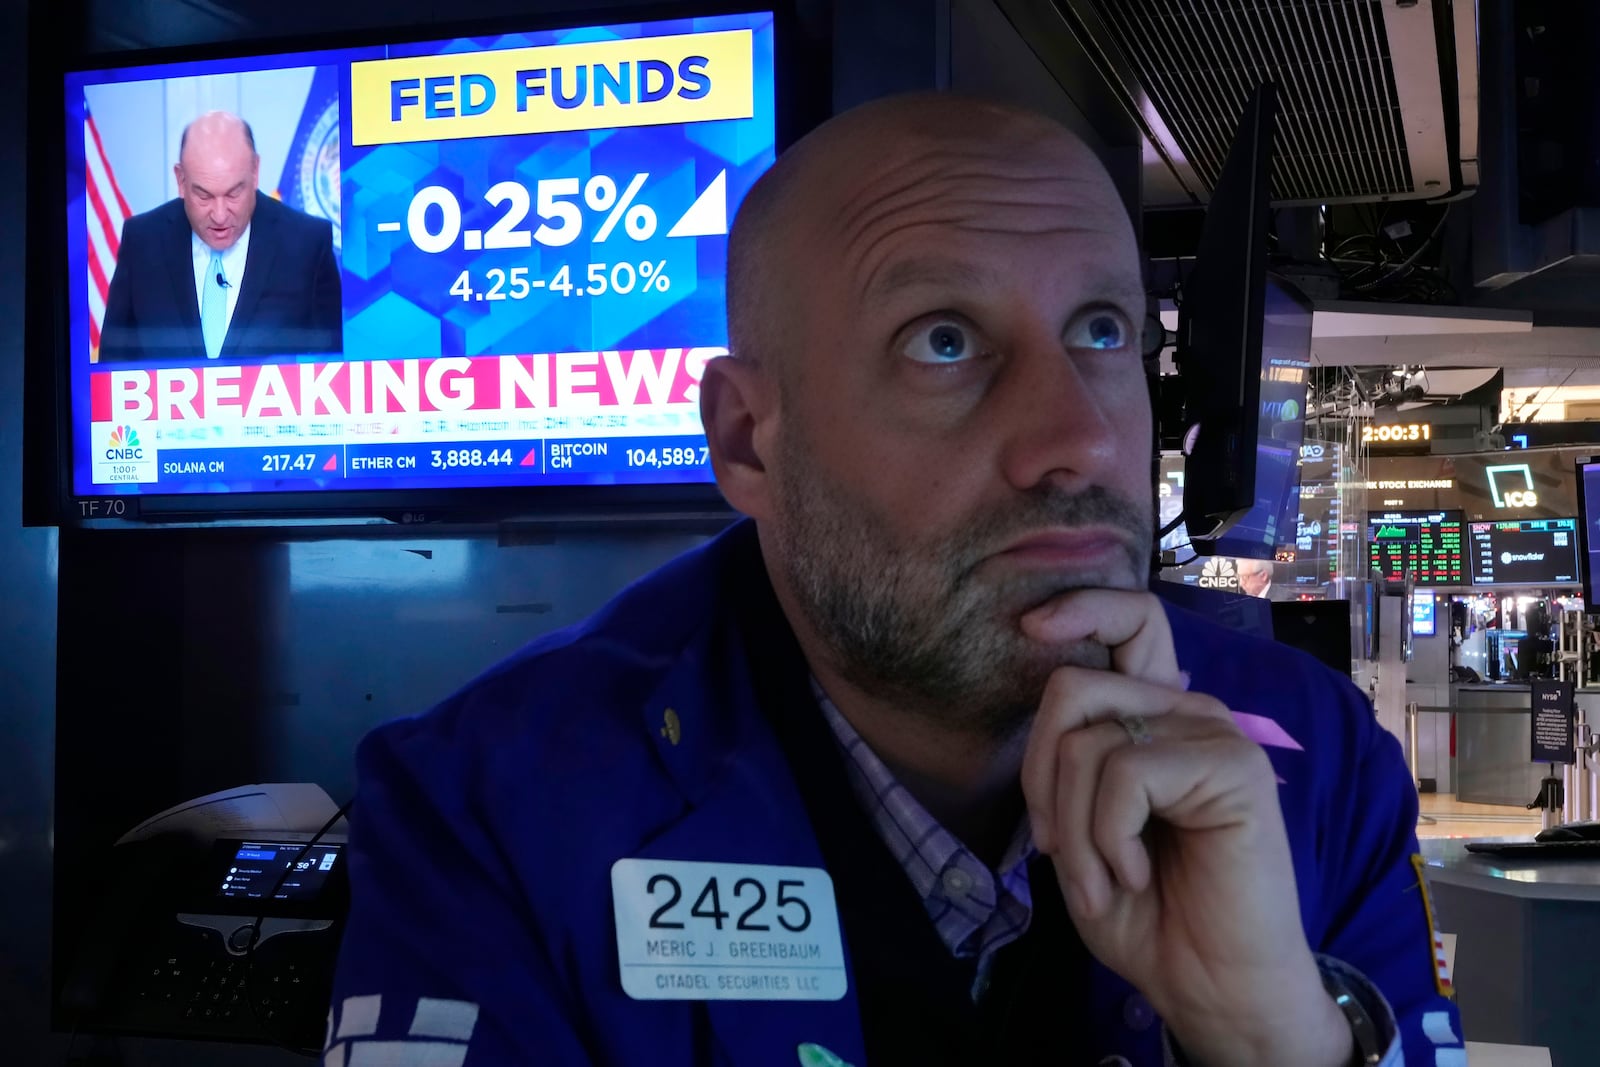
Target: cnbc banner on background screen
point(482, 261)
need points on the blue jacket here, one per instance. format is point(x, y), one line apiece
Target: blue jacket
point(484, 833)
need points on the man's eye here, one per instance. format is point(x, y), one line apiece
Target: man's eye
point(1100, 331)
point(941, 342)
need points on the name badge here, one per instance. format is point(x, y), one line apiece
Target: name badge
point(726, 931)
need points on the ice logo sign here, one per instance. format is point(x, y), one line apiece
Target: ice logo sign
point(1511, 486)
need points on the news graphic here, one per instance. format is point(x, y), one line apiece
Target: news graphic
point(522, 240)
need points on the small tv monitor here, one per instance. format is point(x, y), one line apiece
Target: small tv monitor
point(1589, 529)
point(1428, 545)
point(1423, 613)
point(490, 262)
point(1243, 359)
point(1284, 366)
point(1220, 320)
point(1525, 552)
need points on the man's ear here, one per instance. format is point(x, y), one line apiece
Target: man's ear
point(738, 408)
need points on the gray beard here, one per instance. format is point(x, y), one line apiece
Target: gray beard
point(916, 625)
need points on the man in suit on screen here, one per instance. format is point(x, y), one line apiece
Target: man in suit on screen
point(221, 271)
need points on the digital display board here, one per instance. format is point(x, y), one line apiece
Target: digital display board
point(1427, 544)
point(1525, 552)
point(1422, 614)
point(485, 261)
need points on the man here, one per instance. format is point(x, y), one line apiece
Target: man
point(924, 690)
point(222, 272)
point(1255, 577)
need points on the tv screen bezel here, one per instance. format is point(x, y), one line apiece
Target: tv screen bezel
point(801, 84)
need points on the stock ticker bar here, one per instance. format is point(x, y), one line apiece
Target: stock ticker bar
point(513, 462)
point(1427, 545)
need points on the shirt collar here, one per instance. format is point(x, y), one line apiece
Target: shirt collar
point(974, 909)
point(232, 259)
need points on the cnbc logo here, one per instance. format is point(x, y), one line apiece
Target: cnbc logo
point(1219, 572)
point(124, 444)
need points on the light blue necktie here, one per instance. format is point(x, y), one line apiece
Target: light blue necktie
point(214, 308)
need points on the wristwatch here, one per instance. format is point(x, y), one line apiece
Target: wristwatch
point(1369, 1052)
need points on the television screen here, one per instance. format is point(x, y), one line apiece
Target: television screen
point(1285, 365)
point(1220, 333)
point(1589, 527)
point(1422, 613)
point(484, 261)
point(1426, 544)
point(1525, 552)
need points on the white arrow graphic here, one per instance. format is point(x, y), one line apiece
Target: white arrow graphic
point(708, 215)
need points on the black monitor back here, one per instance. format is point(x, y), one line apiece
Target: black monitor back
point(1318, 627)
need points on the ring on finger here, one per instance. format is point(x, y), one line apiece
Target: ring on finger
point(1138, 730)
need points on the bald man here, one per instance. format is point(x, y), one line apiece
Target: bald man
point(222, 272)
point(1255, 577)
point(907, 767)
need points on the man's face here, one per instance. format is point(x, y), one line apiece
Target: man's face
point(1254, 577)
point(964, 427)
point(217, 181)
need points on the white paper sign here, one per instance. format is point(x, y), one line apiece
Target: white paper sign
point(726, 931)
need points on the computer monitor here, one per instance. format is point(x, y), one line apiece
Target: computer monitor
point(1221, 319)
point(1589, 528)
point(1430, 545)
point(1243, 360)
point(1525, 552)
point(1272, 521)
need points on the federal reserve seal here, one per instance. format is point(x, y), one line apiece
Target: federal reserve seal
point(315, 158)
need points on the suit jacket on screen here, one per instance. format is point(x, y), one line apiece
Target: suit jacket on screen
point(289, 299)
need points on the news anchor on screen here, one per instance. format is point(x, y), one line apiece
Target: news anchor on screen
point(221, 271)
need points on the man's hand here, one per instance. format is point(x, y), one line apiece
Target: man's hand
point(1172, 855)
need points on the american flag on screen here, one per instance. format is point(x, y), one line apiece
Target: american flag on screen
point(107, 212)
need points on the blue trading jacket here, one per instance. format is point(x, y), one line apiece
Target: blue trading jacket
point(484, 832)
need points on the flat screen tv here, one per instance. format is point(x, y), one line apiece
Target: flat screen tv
point(1525, 552)
point(1426, 545)
point(1284, 365)
point(1243, 359)
point(1589, 529)
point(1423, 622)
point(465, 268)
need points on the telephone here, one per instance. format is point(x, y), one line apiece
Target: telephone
point(220, 920)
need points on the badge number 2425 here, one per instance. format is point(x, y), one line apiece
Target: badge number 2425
point(666, 883)
point(726, 931)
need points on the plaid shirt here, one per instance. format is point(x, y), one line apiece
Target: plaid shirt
point(976, 911)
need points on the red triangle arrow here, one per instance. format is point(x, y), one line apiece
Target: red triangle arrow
point(531, 459)
point(332, 464)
